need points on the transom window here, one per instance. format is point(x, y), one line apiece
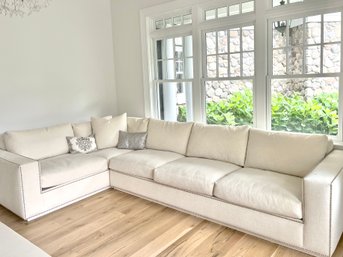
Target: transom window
point(174, 21)
point(230, 10)
point(283, 2)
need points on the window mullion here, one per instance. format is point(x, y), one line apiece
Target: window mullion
point(322, 44)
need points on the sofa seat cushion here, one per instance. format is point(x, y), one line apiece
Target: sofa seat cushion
point(193, 174)
point(266, 191)
point(109, 153)
point(69, 167)
point(142, 163)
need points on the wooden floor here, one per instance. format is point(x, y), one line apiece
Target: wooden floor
point(113, 223)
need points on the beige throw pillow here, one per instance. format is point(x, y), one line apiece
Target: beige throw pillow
point(106, 131)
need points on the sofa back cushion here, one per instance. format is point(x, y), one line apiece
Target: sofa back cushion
point(168, 136)
point(2, 142)
point(222, 143)
point(39, 143)
point(288, 153)
point(82, 129)
point(106, 130)
point(137, 125)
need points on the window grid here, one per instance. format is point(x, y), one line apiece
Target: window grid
point(230, 10)
point(173, 21)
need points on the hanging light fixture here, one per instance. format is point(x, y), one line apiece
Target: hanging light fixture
point(281, 26)
point(21, 7)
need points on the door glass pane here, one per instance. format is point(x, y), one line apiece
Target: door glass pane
point(170, 48)
point(170, 69)
point(279, 39)
point(248, 64)
point(229, 102)
point(189, 68)
point(175, 102)
point(308, 105)
point(296, 30)
point(188, 46)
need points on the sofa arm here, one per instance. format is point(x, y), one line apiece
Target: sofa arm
point(19, 183)
point(323, 196)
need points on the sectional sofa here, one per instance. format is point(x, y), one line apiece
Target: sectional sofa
point(283, 187)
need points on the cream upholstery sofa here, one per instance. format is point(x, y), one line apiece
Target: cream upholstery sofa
point(284, 187)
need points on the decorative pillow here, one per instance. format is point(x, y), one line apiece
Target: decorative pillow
point(107, 131)
point(81, 144)
point(132, 141)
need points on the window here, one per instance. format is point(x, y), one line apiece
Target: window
point(173, 78)
point(230, 10)
point(230, 68)
point(283, 2)
point(306, 74)
point(174, 21)
point(245, 62)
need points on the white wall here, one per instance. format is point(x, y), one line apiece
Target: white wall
point(57, 65)
point(128, 53)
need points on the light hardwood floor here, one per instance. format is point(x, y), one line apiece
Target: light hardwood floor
point(113, 223)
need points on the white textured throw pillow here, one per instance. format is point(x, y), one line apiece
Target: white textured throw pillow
point(106, 131)
point(81, 144)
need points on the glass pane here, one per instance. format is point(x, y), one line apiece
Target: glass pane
point(229, 102)
point(332, 58)
point(235, 65)
point(179, 69)
point(223, 68)
point(170, 69)
point(332, 27)
point(188, 46)
point(248, 64)
point(189, 68)
point(177, 21)
point(169, 48)
point(211, 42)
point(169, 22)
point(248, 38)
point(210, 14)
point(159, 49)
point(234, 9)
point(313, 29)
point(279, 62)
point(222, 12)
point(222, 42)
point(308, 105)
point(178, 48)
point(211, 66)
point(175, 102)
point(187, 19)
point(279, 39)
point(277, 2)
point(248, 7)
point(235, 40)
point(296, 30)
point(312, 59)
point(160, 70)
point(295, 1)
point(295, 60)
point(159, 24)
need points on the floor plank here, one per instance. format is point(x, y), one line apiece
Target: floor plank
point(113, 223)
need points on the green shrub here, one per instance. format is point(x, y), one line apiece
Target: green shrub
point(295, 113)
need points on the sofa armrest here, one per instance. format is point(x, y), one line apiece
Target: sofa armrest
point(19, 183)
point(323, 195)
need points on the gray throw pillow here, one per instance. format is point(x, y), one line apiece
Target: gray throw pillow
point(132, 141)
point(81, 144)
